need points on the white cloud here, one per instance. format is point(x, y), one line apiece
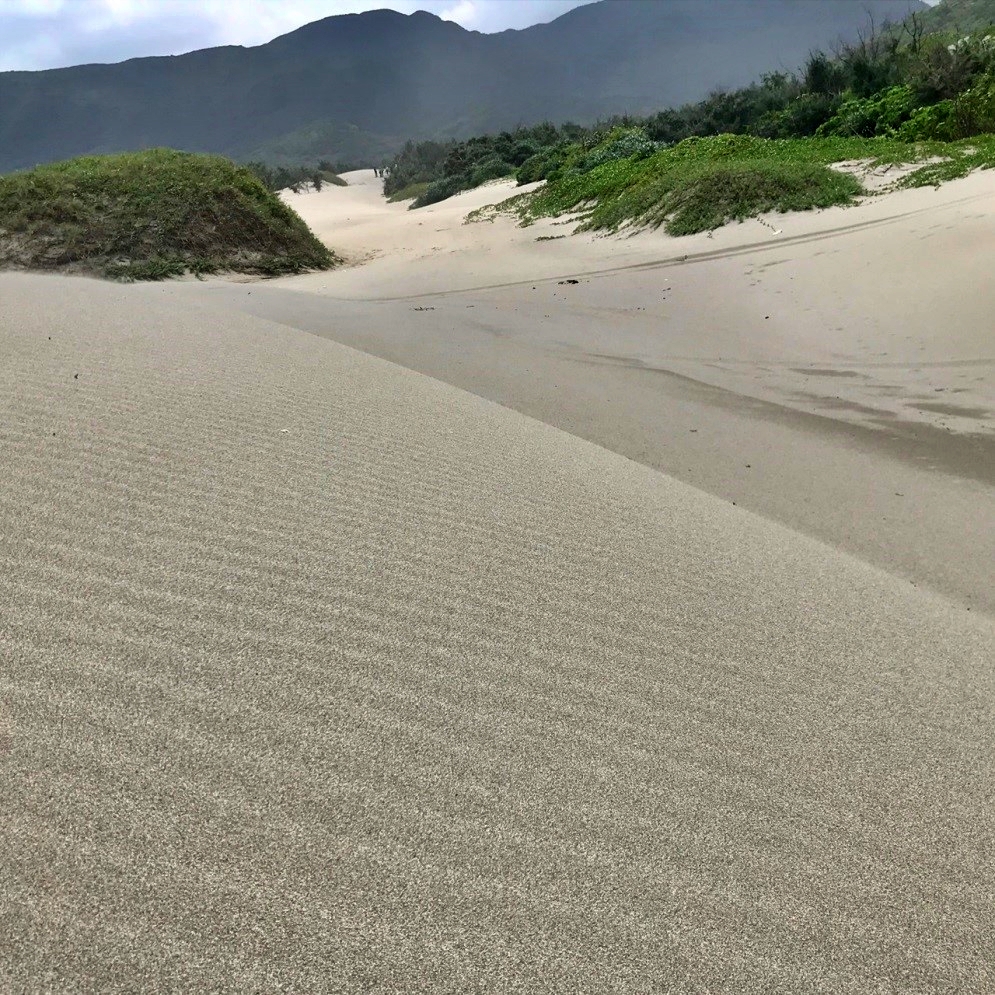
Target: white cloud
point(42, 34)
point(464, 12)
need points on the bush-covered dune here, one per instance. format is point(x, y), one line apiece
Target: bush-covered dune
point(150, 215)
point(702, 183)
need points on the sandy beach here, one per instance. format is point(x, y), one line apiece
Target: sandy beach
point(434, 624)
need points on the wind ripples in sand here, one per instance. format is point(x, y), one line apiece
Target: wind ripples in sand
point(321, 675)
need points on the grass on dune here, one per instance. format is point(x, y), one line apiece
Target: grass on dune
point(151, 215)
point(703, 183)
point(411, 192)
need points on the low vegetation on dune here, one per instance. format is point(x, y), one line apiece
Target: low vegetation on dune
point(413, 191)
point(905, 94)
point(151, 215)
point(702, 183)
point(695, 186)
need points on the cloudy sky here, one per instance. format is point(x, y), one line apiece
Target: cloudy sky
point(45, 34)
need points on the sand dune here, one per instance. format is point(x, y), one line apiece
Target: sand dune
point(837, 377)
point(321, 675)
point(896, 287)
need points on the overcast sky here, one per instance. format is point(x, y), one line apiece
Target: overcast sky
point(45, 34)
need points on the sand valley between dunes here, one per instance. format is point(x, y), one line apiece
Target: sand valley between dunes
point(838, 376)
point(439, 623)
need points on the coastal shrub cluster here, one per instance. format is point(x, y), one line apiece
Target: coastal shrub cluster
point(623, 143)
point(297, 178)
point(702, 183)
point(418, 164)
point(864, 117)
point(150, 215)
point(541, 164)
point(448, 168)
point(595, 149)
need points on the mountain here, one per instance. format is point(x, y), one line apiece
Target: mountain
point(356, 85)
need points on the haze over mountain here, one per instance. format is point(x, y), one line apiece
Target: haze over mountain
point(356, 86)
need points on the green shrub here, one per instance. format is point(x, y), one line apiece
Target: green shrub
point(524, 151)
point(491, 168)
point(799, 119)
point(411, 192)
point(441, 190)
point(865, 117)
point(934, 123)
point(966, 115)
point(544, 164)
point(621, 144)
point(537, 167)
point(823, 76)
point(974, 110)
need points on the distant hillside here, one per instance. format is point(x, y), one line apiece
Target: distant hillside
point(960, 15)
point(354, 86)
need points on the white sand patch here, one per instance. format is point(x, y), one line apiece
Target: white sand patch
point(881, 178)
